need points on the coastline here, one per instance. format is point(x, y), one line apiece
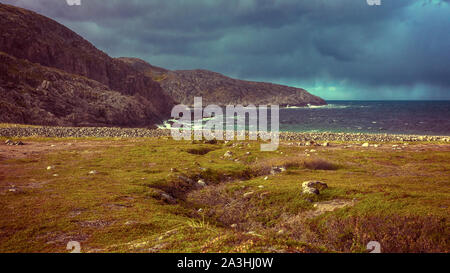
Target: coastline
point(18, 131)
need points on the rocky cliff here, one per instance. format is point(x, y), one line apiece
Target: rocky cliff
point(218, 89)
point(29, 36)
point(35, 94)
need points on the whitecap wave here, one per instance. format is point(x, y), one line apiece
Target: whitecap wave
point(329, 106)
point(293, 107)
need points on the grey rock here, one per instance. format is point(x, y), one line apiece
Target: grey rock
point(313, 187)
point(167, 198)
point(277, 170)
point(186, 179)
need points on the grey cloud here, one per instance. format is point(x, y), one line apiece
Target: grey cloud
point(398, 46)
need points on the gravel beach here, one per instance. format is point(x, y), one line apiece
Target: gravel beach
point(78, 132)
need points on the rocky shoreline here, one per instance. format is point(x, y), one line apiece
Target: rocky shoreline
point(79, 132)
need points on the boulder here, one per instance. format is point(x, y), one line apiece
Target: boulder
point(276, 170)
point(228, 154)
point(313, 187)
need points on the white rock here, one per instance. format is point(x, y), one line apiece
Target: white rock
point(247, 194)
point(365, 145)
point(201, 183)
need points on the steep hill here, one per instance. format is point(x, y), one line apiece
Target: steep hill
point(35, 94)
point(38, 39)
point(218, 89)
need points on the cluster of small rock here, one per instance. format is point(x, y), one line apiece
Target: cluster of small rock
point(314, 137)
point(307, 139)
point(82, 132)
point(11, 143)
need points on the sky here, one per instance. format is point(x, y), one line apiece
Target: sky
point(336, 49)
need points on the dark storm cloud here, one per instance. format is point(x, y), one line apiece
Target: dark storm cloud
point(337, 49)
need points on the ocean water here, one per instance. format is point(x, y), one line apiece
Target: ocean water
point(392, 117)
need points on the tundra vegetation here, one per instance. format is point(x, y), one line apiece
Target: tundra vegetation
point(161, 195)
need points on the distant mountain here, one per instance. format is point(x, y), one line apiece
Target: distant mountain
point(81, 73)
point(218, 89)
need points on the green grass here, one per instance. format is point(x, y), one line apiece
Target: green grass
point(119, 208)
